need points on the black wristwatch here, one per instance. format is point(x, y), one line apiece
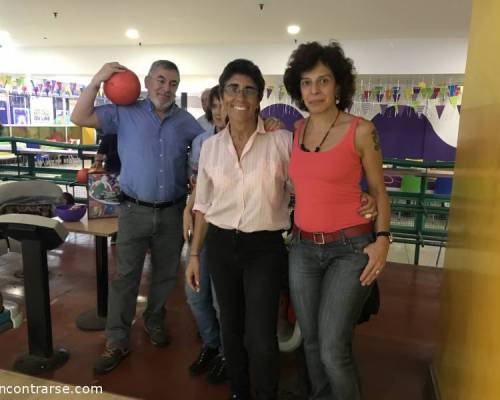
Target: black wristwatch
point(385, 233)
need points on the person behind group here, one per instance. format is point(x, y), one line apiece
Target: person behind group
point(107, 159)
point(202, 301)
point(204, 120)
point(242, 207)
point(153, 139)
point(335, 255)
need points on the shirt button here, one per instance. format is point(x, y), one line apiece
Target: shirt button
point(161, 187)
point(161, 170)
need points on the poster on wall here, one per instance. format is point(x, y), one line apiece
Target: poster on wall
point(19, 109)
point(70, 105)
point(103, 189)
point(21, 116)
point(59, 111)
point(4, 114)
point(42, 110)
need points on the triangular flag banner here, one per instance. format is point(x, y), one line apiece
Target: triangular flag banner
point(407, 93)
point(454, 100)
point(426, 92)
point(349, 107)
point(435, 92)
point(269, 90)
point(416, 92)
point(439, 109)
point(281, 92)
point(451, 90)
point(396, 93)
point(383, 108)
point(388, 94)
point(366, 95)
point(380, 97)
point(459, 108)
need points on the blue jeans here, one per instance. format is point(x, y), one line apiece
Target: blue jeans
point(328, 299)
point(204, 306)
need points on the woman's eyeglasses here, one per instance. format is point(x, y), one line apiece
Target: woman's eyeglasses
point(233, 89)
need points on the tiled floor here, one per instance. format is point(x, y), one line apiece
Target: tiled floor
point(430, 256)
point(393, 349)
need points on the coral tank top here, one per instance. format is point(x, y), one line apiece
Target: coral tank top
point(327, 189)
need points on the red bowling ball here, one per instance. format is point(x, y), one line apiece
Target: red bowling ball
point(123, 88)
point(82, 175)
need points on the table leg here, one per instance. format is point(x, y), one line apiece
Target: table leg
point(95, 319)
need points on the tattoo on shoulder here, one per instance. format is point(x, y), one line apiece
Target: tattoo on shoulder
point(376, 139)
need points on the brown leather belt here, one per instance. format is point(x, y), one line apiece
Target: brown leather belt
point(327, 237)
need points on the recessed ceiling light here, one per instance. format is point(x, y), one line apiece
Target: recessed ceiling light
point(293, 29)
point(5, 38)
point(132, 34)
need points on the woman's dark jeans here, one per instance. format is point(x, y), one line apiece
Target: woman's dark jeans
point(246, 270)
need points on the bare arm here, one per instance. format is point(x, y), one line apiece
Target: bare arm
point(84, 112)
point(368, 146)
point(187, 217)
point(193, 268)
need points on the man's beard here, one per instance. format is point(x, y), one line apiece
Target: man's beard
point(163, 106)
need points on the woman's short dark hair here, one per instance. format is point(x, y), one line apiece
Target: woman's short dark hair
point(212, 95)
point(307, 56)
point(243, 67)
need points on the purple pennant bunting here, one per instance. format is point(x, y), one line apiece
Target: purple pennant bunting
point(380, 97)
point(416, 92)
point(459, 108)
point(383, 108)
point(269, 90)
point(439, 109)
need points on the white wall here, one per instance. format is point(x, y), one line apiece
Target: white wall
point(390, 56)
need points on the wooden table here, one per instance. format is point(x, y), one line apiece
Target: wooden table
point(102, 228)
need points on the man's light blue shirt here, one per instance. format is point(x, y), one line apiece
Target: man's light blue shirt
point(153, 152)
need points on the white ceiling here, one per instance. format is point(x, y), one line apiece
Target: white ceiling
point(168, 22)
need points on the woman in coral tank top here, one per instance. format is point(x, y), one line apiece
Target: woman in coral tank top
point(336, 255)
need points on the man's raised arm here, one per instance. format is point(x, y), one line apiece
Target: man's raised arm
point(84, 113)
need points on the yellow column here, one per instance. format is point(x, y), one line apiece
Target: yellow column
point(88, 135)
point(467, 359)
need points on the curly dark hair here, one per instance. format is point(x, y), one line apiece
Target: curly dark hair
point(243, 67)
point(307, 56)
point(213, 94)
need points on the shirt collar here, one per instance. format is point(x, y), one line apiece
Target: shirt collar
point(260, 130)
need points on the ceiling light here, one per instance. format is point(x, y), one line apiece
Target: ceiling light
point(5, 38)
point(293, 29)
point(132, 34)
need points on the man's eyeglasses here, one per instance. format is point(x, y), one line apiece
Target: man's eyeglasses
point(233, 89)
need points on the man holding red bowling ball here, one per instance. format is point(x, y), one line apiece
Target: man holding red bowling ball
point(153, 138)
